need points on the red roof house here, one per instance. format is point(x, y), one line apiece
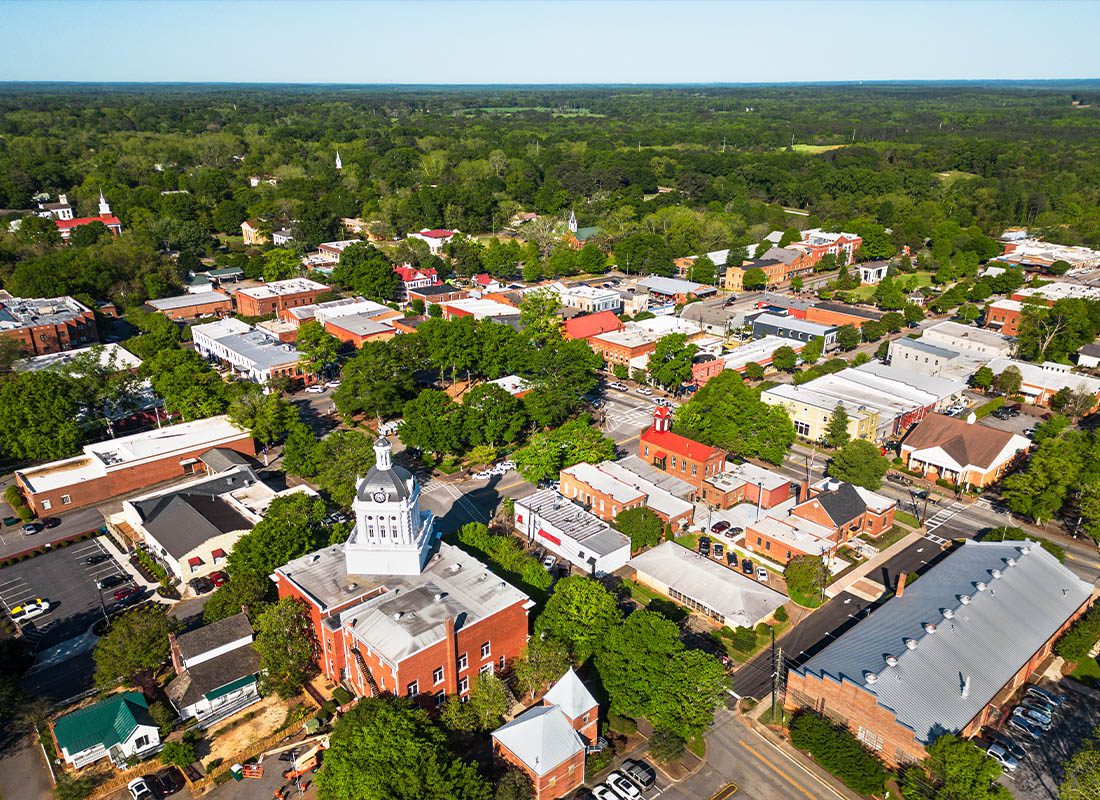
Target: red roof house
point(678, 455)
point(589, 325)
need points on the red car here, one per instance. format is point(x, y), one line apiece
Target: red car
point(219, 578)
point(128, 591)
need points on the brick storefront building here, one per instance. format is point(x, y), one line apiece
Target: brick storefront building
point(393, 610)
point(188, 307)
point(46, 325)
point(677, 455)
point(129, 463)
point(947, 654)
point(619, 347)
point(1004, 316)
point(271, 298)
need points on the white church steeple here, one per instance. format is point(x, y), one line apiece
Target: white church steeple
point(104, 208)
point(392, 535)
point(339, 163)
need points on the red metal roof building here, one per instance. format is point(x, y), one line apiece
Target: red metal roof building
point(678, 455)
point(589, 325)
point(65, 226)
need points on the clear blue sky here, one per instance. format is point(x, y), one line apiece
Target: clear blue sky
point(547, 42)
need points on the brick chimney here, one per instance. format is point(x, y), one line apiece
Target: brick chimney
point(450, 671)
point(901, 585)
point(174, 650)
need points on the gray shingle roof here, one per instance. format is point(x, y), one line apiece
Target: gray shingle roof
point(212, 636)
point(981, 643)
point(842, 504)
point(181, 521)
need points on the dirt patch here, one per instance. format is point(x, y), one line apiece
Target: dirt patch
point(269, 714)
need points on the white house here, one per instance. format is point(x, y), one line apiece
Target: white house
point(436, 238)
point(216, 670)
point(118, 728)
point(873, 271)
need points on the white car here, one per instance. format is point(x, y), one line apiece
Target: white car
point(482, 476)
point(762, 574)
point(1002, 756)
point(549, 562)
point(332, 385)
point(622, 786)
point(315, 389)
point(28, 611)
point(139, 789)
point(645, 390)
point(602, 792)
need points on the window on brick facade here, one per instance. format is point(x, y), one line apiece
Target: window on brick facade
point(486, 650)
point(66, 500)
point(413, 689)
point(463, 662)
point(464, 685)
point(768, 545)
point(872, 740)
point(45, 505)
point(486, 670)
point(437, 675)
point(440, 697)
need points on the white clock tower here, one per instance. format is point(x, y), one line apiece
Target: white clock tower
point(392, 535)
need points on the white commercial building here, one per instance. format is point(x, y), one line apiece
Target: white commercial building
point(251, 352)
point(590, 299)
point(570, 532)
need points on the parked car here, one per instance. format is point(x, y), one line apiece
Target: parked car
point(718, 550)
point(1031, 733)
point(219, 578)
point(549, 562)
point(660, 401)
point(201, 585)
point(1031, 701)
point(704, 546)
point(639, 771)
point(126, 591)
point(622, 786)
point(746, 566)
point(28, 611)
point(719, 526)
point(169, 781)
point(140, 790)
point(762, 574)
point(483, 475)
point(1002, 756)
point(98, 558)
point(111, 581)
point(602, 792)
point(1056, 700)
point(51, 522)
point(332, 385)
point(31, 528)
point(1010, 745)
point(1037, 718)
point(900, 480)
point(315, 389)
point(645, 390)
point(619, 387)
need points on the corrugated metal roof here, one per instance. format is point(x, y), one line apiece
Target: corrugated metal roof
point(980, 643)
point(541, 737)
point(106, 723)
point(571, 695)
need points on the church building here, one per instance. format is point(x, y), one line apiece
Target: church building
point(397, 611)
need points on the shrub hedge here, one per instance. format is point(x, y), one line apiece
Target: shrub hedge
point(1075, 643)
point(507, 553)
point(838, 751)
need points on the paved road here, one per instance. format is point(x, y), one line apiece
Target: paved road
point(23, 773)
point(736, 754)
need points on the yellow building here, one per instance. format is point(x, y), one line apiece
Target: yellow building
point(810, 411)
point(252, 233)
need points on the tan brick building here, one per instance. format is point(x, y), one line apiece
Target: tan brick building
point(946, 654)
point(188, 307)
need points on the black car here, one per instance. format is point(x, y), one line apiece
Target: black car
point(719, 526)
point(98, 558)
point(168, 782)
point(51, 522)
point(704, 546)
point(746, 566)
point(201, 585)
point(109, 581)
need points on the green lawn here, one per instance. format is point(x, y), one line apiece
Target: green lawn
point(688, 540)
point(907, 518)
point(923, 279)
point(805, 600)
point(814, 149)
point(641, 594)
point(895, 534)
point(1088, 672)
point(953, 175)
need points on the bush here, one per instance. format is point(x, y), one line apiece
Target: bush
point(179, 754)
point(505, 552)
point(743, 639)
point(341, 695)
point(781, 614)
point(1018, 535)
point(164, 717)
point(838, 751)
point(1075, 643)
point(985, 409)
point(598, 762)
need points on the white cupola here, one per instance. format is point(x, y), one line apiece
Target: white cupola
point(392, 535)
point(104, 208)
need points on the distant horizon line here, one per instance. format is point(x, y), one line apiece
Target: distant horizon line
point(567, 85)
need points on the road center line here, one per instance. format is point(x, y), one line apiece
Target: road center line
point(778, 771)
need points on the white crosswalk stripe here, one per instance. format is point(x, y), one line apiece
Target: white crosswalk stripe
point(464, 503)
point(940, 518)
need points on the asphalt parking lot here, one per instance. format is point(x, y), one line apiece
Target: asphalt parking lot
point(1040, 772)
point(69, 584)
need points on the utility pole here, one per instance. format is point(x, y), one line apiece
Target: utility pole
point(777, 661)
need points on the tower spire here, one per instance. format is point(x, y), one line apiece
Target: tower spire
point(104, 208)
point(339, 163)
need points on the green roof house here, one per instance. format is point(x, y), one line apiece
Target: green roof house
point(118, 727)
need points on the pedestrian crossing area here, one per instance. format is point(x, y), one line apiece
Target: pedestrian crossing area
point(939, 519)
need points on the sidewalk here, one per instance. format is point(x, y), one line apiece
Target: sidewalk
point(864, 569)
point(124, 561)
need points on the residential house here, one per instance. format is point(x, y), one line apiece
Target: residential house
point(415, 278)
point(128, 464)
point(252, 233)
point(564, 528)
point(1088, 357)
point(961, 452)
point(436, 238)
point(59, 210)
point(548, 742)
point(945, 655)
point(119, 728)
point(282, 237)
point(216, 671)
point(722, 595)
point(872, 272)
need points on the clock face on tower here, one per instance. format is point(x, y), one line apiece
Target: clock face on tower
point(379, 496)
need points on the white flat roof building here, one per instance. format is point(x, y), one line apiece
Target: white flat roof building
point(1042, 381)
point(281, 288)
point(660, 500)
point(110, 356)
point(571, 533)
point(479, 309)
point(1059, 290)
point(968, 338)
point(254, 353)
point(187, 300)
point(722, 594)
